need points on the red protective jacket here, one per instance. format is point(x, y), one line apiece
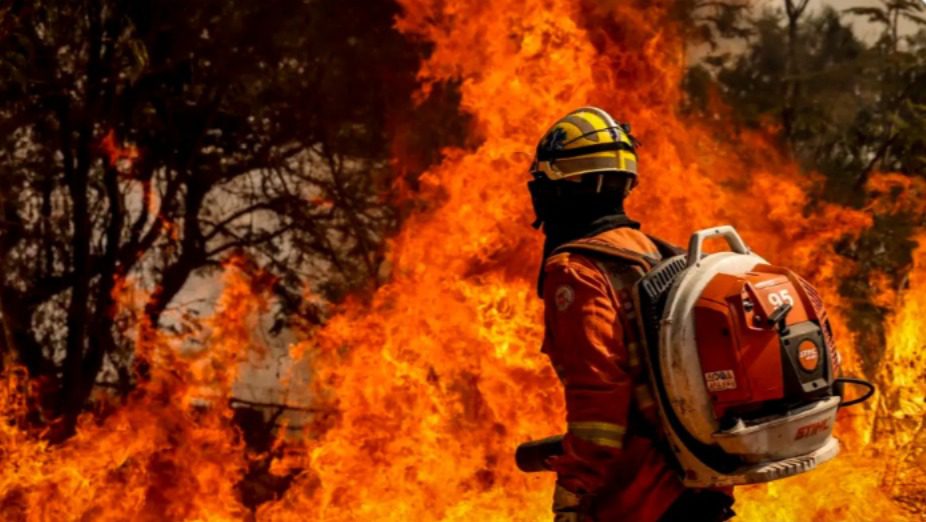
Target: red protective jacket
point(591, 338)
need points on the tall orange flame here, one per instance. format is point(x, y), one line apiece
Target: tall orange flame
point(167, 453)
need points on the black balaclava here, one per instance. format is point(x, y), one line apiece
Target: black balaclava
point(575, 210)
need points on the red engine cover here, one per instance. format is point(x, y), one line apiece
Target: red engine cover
point(740, 351)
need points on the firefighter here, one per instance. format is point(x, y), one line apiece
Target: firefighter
point(614, 465)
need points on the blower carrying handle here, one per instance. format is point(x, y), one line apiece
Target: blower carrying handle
point(729, 233)
point(839, 384)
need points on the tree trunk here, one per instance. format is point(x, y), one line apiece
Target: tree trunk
point(73, 378)
point(793, 9)
point(192, 254)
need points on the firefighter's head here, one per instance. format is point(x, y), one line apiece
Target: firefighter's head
point(585, 166)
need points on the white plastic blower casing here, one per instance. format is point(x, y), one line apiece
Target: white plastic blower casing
point(770, 449)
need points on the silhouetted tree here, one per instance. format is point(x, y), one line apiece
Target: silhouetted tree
point(150, 139)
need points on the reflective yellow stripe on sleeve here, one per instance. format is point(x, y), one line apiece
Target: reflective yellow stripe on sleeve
point(601, 433)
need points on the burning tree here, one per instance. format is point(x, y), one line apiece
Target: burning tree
point(146, 140)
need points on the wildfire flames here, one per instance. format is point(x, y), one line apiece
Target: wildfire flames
point(435, 382)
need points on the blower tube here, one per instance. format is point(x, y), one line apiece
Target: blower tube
point(532, 456)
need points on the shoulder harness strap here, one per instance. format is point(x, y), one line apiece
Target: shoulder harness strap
point(621, 266)
point(666, 249)
point(598, 248)
point(615, 261)
point(602, 251)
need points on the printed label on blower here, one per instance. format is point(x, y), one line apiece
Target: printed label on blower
point(720, 380)
point(811, 429)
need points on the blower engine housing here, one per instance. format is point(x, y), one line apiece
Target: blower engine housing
point(743, 365)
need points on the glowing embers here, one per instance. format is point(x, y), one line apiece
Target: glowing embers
point(119, 156)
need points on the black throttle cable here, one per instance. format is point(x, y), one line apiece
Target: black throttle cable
point(840, 381)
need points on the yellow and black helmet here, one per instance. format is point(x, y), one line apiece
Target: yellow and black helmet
point(586, 141)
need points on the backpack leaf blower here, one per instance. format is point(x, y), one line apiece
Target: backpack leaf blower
point(742, 363)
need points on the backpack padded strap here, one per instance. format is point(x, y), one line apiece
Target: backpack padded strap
point(600, 249)
point(666, 249)
point(594, 246)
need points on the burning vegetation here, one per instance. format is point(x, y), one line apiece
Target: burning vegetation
point(171, 157)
